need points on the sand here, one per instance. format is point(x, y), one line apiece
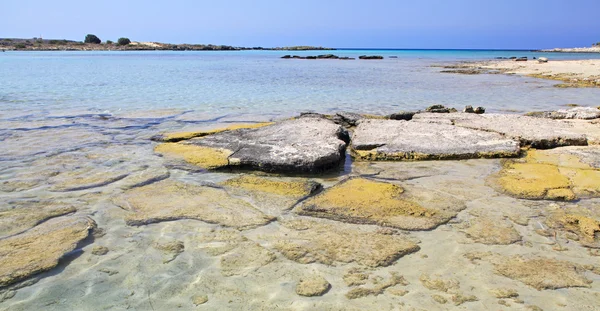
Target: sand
point(577, 68)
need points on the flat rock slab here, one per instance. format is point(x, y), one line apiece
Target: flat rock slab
point(492, 231)
point(365, 201)
point(20, 219)
point(297, 145)
point(248, 257)
point(40, 248)
point(558, 174)
point(308, 241)
point(171, 200)
point(530, 131)
point(407, 140)
point(542, 273)
point(271, 195)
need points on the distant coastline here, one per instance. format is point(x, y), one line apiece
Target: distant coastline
point(593, 49)
point(37, 44)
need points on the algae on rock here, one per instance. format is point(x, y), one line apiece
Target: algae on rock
point(248, 257)
point(330, 245)
point(41, 248)
point(20, 219)
point(170, 200)
point(556, 174)
point(492, 231)
point(312, 285)
point(542, 273)
point(364, 201)
point(296, 145)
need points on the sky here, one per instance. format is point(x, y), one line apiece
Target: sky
point(431, 24)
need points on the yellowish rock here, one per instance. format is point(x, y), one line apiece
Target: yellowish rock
point(558, 174)
point(170, 200)
point(378, 288)
point(248, 257)
point(40, 248)
point(585, 226)
point(19, 219)
point(542, 273)
point(330, 245)
point(364, 201)
point(439, 284)
point(179, 136)
point(199, 299)
point(204, 157)
point(492, 231)
point(312, 285)
point(503, 293)
point(296, 189)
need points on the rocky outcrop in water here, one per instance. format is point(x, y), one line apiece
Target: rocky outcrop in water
point(41, 248)
point(408, 140)
point(297, 145)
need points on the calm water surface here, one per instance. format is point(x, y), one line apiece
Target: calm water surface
point(259, 82)
point(75, 130)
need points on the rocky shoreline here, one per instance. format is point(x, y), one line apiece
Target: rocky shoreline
point(35, 44)
point(572, 73)
point(419, 209)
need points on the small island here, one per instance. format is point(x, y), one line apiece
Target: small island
point(93, 43)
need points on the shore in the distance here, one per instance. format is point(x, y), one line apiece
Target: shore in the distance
point(593, 49)
point(574, 73)
point(36, 44)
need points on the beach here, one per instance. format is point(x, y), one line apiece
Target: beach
point(249, 182)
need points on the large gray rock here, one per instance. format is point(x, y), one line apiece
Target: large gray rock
point(539, 133)
point(407, 140)
point(306, 144)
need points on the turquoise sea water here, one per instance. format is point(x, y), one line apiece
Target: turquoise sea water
point(259, 82)
point(75, 131)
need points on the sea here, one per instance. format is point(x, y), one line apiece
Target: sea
point(76, 129)
point(238, 83)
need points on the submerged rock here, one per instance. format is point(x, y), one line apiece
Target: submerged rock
point(558, 174)
point(403, 140)
point(378, 288)
point(179, 136)
point(313, 285)
point(492, 231)
point(580, 221)
point(248, 257)
point(364, 201)
point(21, 218)
point(542, 273)
point(170, 200)
point(41, 248)
point(298, 145)
point(271, 195)
point(309, 241)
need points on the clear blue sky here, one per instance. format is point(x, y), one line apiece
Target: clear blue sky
point(510, 24)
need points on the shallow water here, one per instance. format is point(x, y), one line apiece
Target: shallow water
point(75, 130)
